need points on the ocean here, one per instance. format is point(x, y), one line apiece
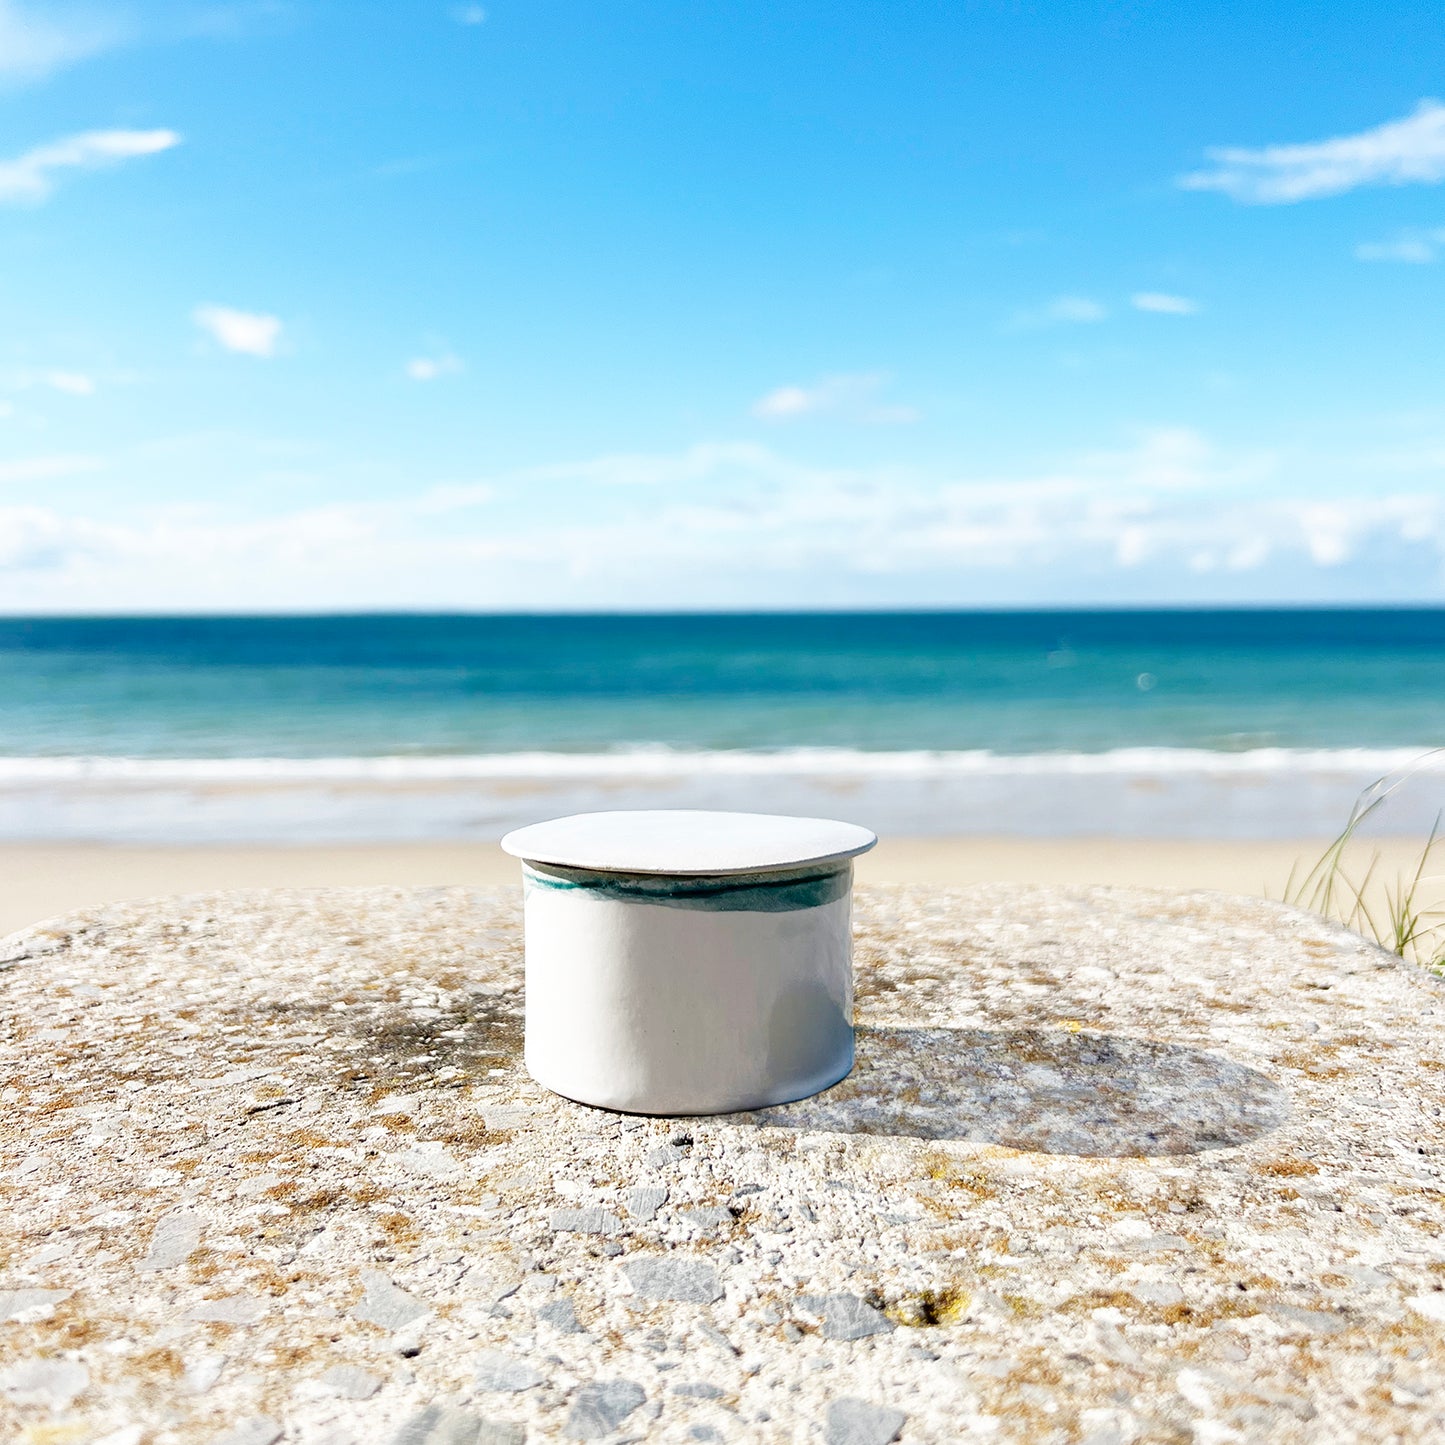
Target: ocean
point(1207, 723)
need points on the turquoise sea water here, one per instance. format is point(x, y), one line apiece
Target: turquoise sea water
point(1006, 682)
point(935, 722)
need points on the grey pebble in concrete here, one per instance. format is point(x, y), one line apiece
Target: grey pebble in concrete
point(174, 1238)
point(14, 1303)
point(689, 1281)
point(846, 1317)
point(51, 1382)
point(586, 1221)
point(708, 1216)
point(385, 1305)
point(697, 1390)
point(598, 1409)
point(857, 1422)
point(236, 1309)
point(502, 1373)
point(561, 1314)
point(644, 1201)
point(350, 1382)
point(447, 1425)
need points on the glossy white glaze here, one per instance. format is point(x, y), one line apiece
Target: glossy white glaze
point(684, 841)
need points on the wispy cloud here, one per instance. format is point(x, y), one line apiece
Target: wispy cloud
point(248, 332)
point(469, 14)
point(1062, 310)
point(72, 383)
point(853, 397)
point(1413, 247)
point(46, 469)
point(28, 179)
point(743, 523)
point(35, 45)
point(1403, 152)
point(1163, 304)
point(428, 368)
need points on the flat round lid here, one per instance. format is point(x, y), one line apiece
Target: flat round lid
point(685, 841)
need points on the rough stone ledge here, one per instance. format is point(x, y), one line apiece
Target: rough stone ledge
point(1114, 1166)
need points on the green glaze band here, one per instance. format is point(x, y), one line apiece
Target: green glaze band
point(748, 893)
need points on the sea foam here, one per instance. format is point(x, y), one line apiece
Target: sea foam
point(660, 763)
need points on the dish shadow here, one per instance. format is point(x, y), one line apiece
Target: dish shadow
point(1041, 1090)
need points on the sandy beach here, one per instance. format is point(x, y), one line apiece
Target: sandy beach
point(39, 881)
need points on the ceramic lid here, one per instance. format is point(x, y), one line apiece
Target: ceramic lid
point(683, 841)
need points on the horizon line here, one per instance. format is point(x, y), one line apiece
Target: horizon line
point(561, 614)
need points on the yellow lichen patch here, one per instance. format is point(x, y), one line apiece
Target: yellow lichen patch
point(1288, 1168)
point(203, 1264)
point(318, 1200)
point(69, 1329)
point(945, 1305)
point(468, 1133)
point(399, 1228)
point(1023, 1307)
point(56, 1104)
point(311, 1139)
point(953, 1175)
point(158, 1361)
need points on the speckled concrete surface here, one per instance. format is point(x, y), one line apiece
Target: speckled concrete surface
point(1114, 1166)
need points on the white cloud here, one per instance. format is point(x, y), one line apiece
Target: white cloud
point(850, 396)
point(27, 179)
point(1415, 247)
point(1064, 310)
point(1163, 303)
point(248, 332)
point(1076, 308)
point(47, 469)
point(33, 46)
point(72, 383)
point(729, 523)
point(1403, 152)
point(428, 368)
point(469, 14)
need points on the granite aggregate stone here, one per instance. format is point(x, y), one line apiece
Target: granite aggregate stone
point(561, 1314)
point(499, 1372)
point(600, 1408)
point(1113, 1166)
point(851, 1421)
point(664, 1278)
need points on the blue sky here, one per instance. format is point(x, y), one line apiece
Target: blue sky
point(315, 305)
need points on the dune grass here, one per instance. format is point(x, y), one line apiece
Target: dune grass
point(1397, 913)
